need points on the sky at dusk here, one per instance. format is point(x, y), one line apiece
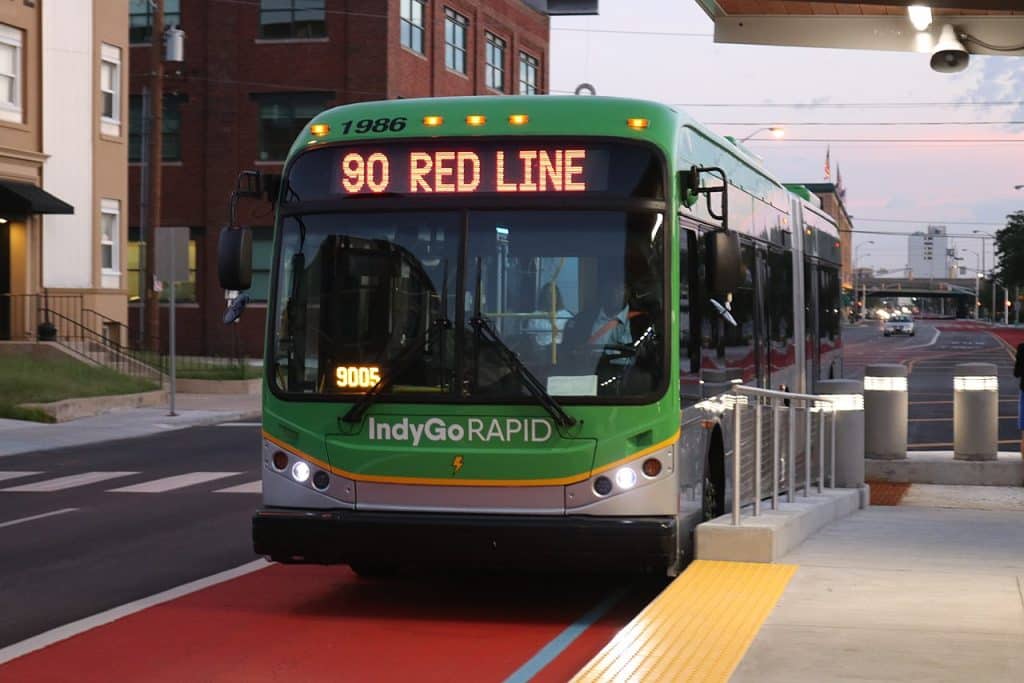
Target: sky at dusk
point(624, 52)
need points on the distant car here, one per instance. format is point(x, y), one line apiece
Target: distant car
point(898, 324)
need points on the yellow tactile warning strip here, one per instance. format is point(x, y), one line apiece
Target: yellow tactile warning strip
point(698, 629)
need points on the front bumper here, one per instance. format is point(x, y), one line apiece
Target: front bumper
point(507, 541)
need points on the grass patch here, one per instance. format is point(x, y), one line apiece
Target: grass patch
point(28, 379)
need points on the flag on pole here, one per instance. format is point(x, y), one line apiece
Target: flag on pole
point(840, 189)
point(828, 166)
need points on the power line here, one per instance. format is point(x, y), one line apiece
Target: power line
point(859, 105)
point(863, 123)
point(931, 222)
point(887, 141)
point(634, 33)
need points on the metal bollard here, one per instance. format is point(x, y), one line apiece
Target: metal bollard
point(847, 431)
point(885, 411)
point(975, 411)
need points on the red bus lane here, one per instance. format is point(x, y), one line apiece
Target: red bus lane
point(312, 623)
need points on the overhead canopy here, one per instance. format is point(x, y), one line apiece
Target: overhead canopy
point(998, 25)
point(24, 198)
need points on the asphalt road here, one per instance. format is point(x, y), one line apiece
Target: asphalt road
point(932, 354)
point(70, 549)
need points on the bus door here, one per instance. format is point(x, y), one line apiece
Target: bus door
point(812, 317)
point(762, 342)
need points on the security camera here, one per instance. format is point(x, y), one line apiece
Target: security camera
point(949, 55)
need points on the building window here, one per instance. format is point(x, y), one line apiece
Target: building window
point(171, 128)
point(455, 40)
point(184, 291)
point(282, 117)
point(527, 74)
point(110, 90)
point(110, 235)
point(262, 255)
point(10, 73)
point(412, 24)
point(140, 16)
point(291, 19)
point(494, 52)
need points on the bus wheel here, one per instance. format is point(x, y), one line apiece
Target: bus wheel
point(374, 569)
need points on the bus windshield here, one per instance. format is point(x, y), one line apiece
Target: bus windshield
point(578, 295)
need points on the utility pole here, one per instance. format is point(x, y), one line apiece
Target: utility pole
point(151, 305)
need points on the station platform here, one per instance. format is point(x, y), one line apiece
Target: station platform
point(928, 587)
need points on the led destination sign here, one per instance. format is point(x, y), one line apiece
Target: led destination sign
point(465, 171)
point(476, 166)
point(469, 171)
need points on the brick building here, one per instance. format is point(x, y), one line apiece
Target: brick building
point(256, 72)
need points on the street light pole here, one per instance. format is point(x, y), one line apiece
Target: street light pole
point(982, 236)
point(151, 303)
point(777, 132)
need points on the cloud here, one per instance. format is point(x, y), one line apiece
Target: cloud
point(1000, 79)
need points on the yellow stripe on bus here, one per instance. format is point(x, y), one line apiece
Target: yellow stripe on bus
point(698, 629)
point(435, 481)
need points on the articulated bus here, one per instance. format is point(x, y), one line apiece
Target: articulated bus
point(497, 328)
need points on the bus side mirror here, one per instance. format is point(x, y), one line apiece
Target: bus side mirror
point(234, 258)
point(691, 189)
point(723, 264)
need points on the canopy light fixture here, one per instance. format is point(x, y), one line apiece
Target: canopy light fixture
point(920, 16)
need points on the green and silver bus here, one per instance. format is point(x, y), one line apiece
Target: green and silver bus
point(497, 326)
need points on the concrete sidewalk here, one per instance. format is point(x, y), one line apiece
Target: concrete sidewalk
point(902, 593)
point(17, 436)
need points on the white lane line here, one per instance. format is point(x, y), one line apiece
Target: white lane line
point(178, 481)
point(240, 424)
point(70, 481)
point(29, 519)
point(935, 338)
point(251, 487)
point(16, 475)
point(82, 625)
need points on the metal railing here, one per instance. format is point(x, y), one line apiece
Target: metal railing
point(98, 348)
point(21, 315)
point(778, 402)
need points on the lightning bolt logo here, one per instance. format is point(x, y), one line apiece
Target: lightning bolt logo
point(456, 464)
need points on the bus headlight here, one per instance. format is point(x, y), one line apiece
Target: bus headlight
point(625, 478)
point(300, 472)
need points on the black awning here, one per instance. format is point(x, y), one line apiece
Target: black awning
point(23, 198)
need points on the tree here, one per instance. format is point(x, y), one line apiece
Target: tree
point(1009, 246)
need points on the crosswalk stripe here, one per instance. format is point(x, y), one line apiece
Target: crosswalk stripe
point(70, 481)
point(176, 482)
point(16, 475)
point(251, 487)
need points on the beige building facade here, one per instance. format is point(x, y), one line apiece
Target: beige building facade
point(63, 166)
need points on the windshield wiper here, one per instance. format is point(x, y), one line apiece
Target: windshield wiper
point(401, 363)
point(533, 385)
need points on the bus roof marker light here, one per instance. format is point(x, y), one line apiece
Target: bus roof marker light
point(476, 120)
point(433, 121)
point(638, 123)
point(320, 129)
point(518, 119)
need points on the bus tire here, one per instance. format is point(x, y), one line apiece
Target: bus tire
point(713, 499)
